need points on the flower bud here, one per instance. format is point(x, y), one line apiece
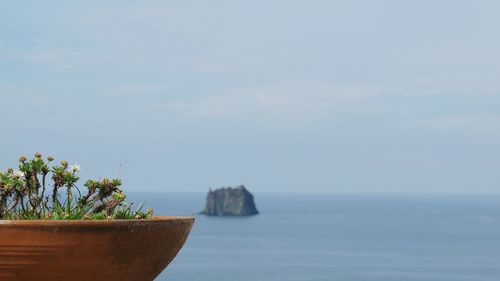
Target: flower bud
point(38, 155)
point(50, 158)
point(22, 159)
point(10, 170)
point(64, 164)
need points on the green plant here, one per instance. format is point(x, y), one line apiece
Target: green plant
point(25, 194)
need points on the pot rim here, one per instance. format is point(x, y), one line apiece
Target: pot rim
point(155, 219)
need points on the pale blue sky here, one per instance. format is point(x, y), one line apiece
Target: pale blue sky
point(323, 96)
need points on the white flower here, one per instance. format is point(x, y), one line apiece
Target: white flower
point(75, 168)
point(18, 174)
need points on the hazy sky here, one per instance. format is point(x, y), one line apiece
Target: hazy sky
point(324, 96)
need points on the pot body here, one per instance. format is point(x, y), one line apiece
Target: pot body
point(121, 250)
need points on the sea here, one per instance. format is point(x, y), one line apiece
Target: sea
point(342, 237)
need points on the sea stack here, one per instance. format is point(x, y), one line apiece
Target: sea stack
point(228, 201)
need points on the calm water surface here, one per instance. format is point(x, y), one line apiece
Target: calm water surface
point(339, 237)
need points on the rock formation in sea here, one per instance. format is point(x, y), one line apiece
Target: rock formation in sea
point(228, 201)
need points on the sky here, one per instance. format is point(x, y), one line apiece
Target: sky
point(280, 95)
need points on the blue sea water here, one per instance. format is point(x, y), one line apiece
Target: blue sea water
point(318, 237)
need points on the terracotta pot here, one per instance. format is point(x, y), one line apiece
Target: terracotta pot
point(121, 250)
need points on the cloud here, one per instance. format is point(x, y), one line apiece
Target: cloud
point(63, 58)
point(294, 100)
point(134, 90)
point(483, 128)
point(466, 121)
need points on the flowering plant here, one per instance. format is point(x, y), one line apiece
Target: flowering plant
point(25, 194)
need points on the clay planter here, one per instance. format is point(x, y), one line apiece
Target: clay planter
point(121, 250)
